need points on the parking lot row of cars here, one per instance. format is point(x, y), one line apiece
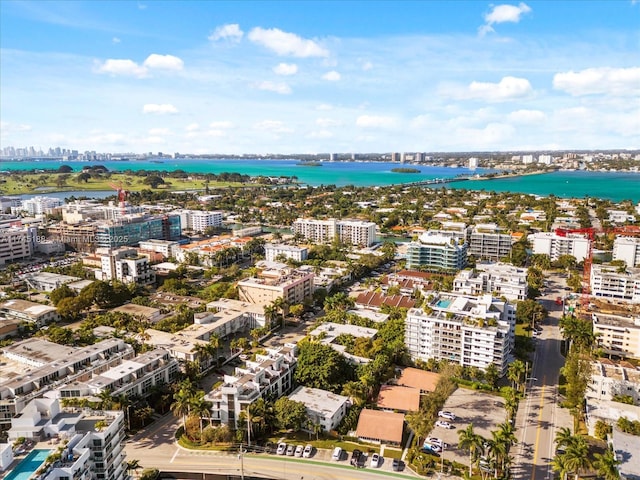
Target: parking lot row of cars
point(292, 450)
point(358, 458)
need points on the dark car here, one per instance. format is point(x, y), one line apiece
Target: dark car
point(396, 465)
point(355, 457)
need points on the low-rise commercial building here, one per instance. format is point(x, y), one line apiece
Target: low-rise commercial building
point(167, 248)
point(329, 332)
point(47, 281)
point(323, 408)
point(31, 312)
point(378, 426)
point(470, 331)
point(614, 379)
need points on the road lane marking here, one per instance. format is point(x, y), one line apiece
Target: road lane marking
point(535, 448)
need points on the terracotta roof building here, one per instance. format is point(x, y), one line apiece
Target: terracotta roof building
point(420, 379)
point(376, 300)
point(394, 397)
point(378, 426)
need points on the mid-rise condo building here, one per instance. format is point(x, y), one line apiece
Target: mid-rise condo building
point(499, 279)
point(437, 252)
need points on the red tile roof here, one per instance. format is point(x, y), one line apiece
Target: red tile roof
point(406, 399)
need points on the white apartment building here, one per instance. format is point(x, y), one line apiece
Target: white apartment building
point(620, 216)
point(167, 248)
point(95, 448)
point(328, 333)
point(470, 331)
point(270, 375)
point(292, 285)
point(352, 232)
point(125, 265)
point(323, 408)
point(609, 379)
point(199, 220)
point(617, 335)
point(36, 367)
point(627, 249)
point(133, 377)
point(271, 251)
point(499, 279)
point(526, 159)
point(610, 282)
point(437, 251)
point(47, 281)
point(486, 241)
point(545, 159)
point(16, 243)
point(554, 245)
point(31, 312)
point(357, 232)
point(41, 205)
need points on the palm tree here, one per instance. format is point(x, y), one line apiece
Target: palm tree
point(199, 407)
point(133, 465)
point(564, 438)
point(356, 392)
point(515, 372)
point(577, 455)
point(106, 400)
point(270, 313)
point(124, 403)
point(607, 465)
point(559, 464)
point(181, 406)
point(510, 402)
point(469, 439)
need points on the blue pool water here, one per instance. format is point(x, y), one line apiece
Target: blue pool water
point(444, 303)
point(28, 465)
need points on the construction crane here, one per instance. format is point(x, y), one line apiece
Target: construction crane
point(591, 233)
point(122, 197)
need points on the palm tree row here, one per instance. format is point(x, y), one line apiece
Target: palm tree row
point(573, 457)
point(489, 455)
point(190, 402)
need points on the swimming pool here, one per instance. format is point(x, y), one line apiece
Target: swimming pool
point(444, 303)
point(29, 465)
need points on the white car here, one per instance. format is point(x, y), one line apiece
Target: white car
point(282, 448)
point(443, 424)
point(447, 415)
point(375, 460)
point(308, 450)
point(299, 450)
point(432, 446)
point(434, 441)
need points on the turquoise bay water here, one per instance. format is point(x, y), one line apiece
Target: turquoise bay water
point(615, 186)
point(28, 465)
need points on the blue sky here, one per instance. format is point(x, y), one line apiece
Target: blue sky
point(309, 77)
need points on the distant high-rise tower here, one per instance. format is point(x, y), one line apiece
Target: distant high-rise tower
point(333, 157)
point(395, 156)
point(473, 163)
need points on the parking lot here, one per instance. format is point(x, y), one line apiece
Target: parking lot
point(484, 410)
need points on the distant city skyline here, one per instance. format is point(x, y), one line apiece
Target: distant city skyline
point(248, 77)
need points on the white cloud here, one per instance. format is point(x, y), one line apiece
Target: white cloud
point(324, 107)
point(502, 14)
point(509, 88)
point(285, 69)
point(375, 121)
point(231, 31)
point(159, 131)
point(366, 66)
point(284, 43)
point(192, 127)
point(222, 124)
point(328, 122)
point(331, 76)
point(7, 127)
point(115, 40)
point(278, 87)
point(124, 67)
point(159, 108)
point(492, 135)
point(216, 133)
point(274, 126)
point(163, 62)
point(321, 134)
point(155, 140)
point(604, 80)
point(527, 116)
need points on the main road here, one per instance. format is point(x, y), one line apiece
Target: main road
point(156, 448)
point(539, 415)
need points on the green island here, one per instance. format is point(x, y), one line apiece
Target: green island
point(405, 170)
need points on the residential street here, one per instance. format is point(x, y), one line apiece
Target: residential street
point(539, 415)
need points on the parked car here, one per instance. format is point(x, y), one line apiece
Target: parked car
point(396, 465)
point(299, 450)
point(291, 449)
point(434, 440)
point(431, 450)
point(447, 415)
point(432, 446)
point(375, 460)
point(337, 453)
point(355, 457)
point(308, 450)
point(282, 448)
point(443, 424)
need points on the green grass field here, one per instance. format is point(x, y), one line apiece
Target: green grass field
point(50, 182)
